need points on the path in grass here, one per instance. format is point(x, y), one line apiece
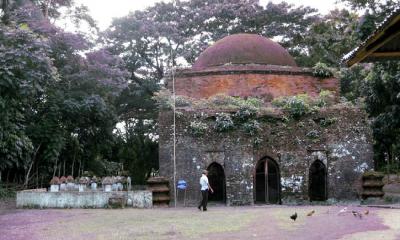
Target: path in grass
point(260, 222)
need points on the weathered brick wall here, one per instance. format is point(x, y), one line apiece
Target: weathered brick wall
point(338, 136)
point(252, 83)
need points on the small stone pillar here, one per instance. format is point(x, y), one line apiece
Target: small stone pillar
point(83, 181)
point(107, 184)
point(55, 184)
point(93, 183)
point(129, 183)
point(63, 184)
point(70, 183)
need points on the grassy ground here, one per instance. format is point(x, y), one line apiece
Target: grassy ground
point(259, 222)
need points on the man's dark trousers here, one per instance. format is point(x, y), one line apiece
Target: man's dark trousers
point(204, 200)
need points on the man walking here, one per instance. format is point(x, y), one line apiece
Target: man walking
point(204, 190)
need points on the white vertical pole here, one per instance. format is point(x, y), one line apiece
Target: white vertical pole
point(174, 110)
point(174, 127)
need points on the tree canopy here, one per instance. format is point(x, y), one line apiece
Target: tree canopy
point(83, 101)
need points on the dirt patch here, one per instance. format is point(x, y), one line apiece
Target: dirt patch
point(259, 222)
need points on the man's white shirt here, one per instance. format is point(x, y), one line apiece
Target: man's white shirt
point(204, 182)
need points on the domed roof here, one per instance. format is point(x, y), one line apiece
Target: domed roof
point(244, 49)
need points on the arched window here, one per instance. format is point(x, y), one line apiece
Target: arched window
point(216, 178)
point(267, 181)
point(317, 181)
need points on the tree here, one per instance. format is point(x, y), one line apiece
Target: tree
point(329, 38)
point(383, 104)
point(26, 72)
point(378, 84)
point(71, 111)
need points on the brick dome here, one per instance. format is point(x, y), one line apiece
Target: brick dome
point(244, 49)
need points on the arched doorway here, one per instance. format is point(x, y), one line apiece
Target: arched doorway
point(216, 178)
point(267, 181)
point(317, 179)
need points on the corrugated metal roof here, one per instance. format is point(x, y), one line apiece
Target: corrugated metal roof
point(385, 39)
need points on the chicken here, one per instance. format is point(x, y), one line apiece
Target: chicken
point(356, 214)
point(366, 212)
point(311, 213)
point(344, 210)
point(294, 216)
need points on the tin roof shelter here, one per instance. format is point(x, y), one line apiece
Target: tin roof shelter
point(382, 44)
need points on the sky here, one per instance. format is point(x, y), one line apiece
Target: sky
point(103, 11)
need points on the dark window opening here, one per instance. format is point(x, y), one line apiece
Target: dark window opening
point(260, 182)
point(318, 184)
point(267, 182)
point(216, 178)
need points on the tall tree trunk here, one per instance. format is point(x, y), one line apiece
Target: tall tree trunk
point(79, 169)
point(8, 176)
point(37, 175)
point(27, 175)
point(64, 168)
point(30, 167)
point(73, 165)
point(5, 6)
point(45, 8)
point(55, 167)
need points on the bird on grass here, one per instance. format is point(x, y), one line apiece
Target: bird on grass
point(366, 212)
point(294, 216)
point(356, 214)
point(344, 210)
point(311, 213)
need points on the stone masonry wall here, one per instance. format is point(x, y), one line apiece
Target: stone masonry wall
point(339, 136)
point(90, 199)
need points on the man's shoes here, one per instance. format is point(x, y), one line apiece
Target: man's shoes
point(205, 209)
point(199, 208)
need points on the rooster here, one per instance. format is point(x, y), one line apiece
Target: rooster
point(294, 216)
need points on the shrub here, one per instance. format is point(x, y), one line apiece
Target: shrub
point(279, 102)
point(297, 106)
point(198, 128)
point(322, 70)
point(254, 102)
point(7, 192)
point(328, 121)
point(182, 101)
point(251, 127)
point(163, 99)
point(223, 122)
point(325, 98)
point(245, 112)
point(222, 100)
